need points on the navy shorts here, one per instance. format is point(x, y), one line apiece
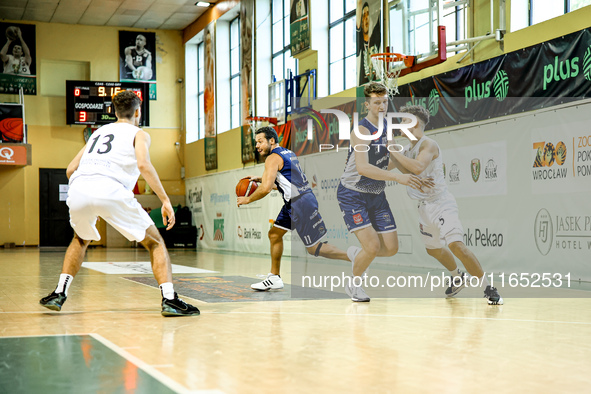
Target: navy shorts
point(362, 210)
point(302, 215)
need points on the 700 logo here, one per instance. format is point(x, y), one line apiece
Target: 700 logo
point(547, 154)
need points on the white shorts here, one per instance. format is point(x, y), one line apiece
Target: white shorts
point(90, 197)
point(439, 222)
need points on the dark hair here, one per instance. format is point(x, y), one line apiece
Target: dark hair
point(269, 133)
point(417, 110)
point(126, 102)
point(374, 88)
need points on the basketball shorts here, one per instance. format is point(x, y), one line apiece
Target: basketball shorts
point(302, 215)
point(93, 196)
point(439, 222)
point(362, 210)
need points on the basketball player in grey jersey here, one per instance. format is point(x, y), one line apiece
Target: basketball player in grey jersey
point(439, 220)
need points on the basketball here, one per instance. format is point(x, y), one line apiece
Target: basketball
point(12, 33)
point(12, 129)
point(245, 187)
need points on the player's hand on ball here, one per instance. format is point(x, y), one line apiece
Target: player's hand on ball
point(255, 178)
point(242, 201)
point(427, 182)
point(410, 180)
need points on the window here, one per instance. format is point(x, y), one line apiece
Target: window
point(526, 13)
point(342, 39)
point(413, 24)
point(281, 59)
point(200, 90)
point(235, 72)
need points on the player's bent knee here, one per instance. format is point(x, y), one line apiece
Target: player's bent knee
point(152, 238)
point(457, 247)
point(435, 252)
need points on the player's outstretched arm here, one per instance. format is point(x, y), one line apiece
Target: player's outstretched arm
point(73, 166)
point(4, 51)
point(142, 155)
point(26, 49)
point(272, 164)
point(128, 59)
point(427, 153)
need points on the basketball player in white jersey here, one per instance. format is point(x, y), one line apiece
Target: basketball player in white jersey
point(20, 60)
point(102, 177)
point(439, 220)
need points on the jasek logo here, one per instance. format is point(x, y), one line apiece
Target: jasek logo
point(549, 161)
point(480, 90)
point(563, 232)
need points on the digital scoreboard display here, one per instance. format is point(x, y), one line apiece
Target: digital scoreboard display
point(90, 102)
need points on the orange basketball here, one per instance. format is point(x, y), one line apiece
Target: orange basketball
point(12, 129)
point(245, 187)
point(12, 33)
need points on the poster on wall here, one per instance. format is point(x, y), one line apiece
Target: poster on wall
point(369, 38)
point(299, 26)
point(137, 58)
point(246, 20)
point(18, 55)
point(11, 123)
point(211, 158)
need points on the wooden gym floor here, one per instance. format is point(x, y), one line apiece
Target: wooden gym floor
point(110, 336)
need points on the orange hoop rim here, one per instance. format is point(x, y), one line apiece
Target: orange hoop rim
point(390, 57)
point(262, 119)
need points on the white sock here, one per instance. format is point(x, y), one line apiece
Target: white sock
point(484, 282)
point(64, 283)
point(167, 290)
point(455, 272)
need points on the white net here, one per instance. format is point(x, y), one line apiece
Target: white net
point(388, 69)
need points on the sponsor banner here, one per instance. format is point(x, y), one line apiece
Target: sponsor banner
point(246, 101)
point(476, 170)
point(560, 157)
point(15, 154)
point(211, 152)
point(535, 77)
point(369, 38)
point(221, 224)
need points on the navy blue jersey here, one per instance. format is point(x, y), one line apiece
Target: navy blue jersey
point(290, 180)
point(377, 155)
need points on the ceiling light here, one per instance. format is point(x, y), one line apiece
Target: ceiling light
point(202, 4)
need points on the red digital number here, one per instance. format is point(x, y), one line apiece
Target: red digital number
point(82, 116)
point(76, 92)
point(139, 94)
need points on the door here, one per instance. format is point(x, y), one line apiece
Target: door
point(54, 218)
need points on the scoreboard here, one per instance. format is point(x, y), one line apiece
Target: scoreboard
point(90, 102)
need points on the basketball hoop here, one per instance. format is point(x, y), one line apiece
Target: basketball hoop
point(388, 67)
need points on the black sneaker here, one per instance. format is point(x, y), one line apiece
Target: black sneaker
point(492, 295)
point(455, 285)
point(177, 307)
point(54, 301)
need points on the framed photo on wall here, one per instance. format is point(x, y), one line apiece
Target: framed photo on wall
point(137, 56)
point(18, 57)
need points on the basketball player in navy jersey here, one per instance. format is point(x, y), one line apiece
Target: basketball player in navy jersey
point(101, 180)
point(439, 220)
point(300, 209)
point(361, 194)
point(138, 56)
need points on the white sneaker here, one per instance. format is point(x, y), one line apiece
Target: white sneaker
point(271, 282)
point(356, 293)
point(352, 253)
